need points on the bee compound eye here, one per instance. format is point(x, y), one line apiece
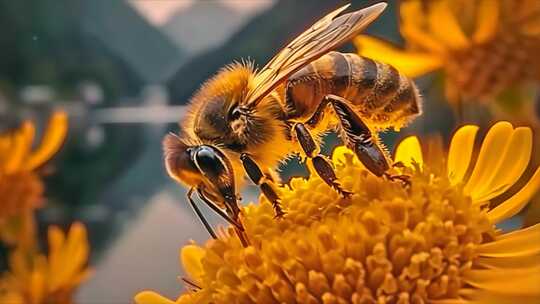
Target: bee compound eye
point(209, 162)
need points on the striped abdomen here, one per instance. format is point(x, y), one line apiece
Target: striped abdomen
point(382, 95)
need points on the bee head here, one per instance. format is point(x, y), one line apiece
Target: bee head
point(202, 166)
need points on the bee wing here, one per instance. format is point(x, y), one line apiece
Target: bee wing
point(322, 37)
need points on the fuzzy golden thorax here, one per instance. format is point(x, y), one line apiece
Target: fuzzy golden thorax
point(214, 117)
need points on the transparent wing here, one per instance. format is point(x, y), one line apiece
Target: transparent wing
point(324, 36)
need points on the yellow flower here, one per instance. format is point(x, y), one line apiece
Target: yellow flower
point(15, 148)
point(483, 46)
point(37, 279)
point(34, 278)
point(20, 187)
point(433, 242)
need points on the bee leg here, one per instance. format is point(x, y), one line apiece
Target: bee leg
point(404, 179)
point(357, 137)
point(320, 163)
point(256, 175)
point(218, 210)
point(200, 215)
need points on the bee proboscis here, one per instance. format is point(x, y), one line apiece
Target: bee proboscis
point(244, 122)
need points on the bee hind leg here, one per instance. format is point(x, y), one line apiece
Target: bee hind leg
point(358, 137)
point(265, 184)
point(320, 163)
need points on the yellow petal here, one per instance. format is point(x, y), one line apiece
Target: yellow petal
point(513, 205)
point(481, 296)
point(72, 257)
point(450, 301)
point(487, 20)
point(513, 161)
point(496, 140)
point(22, 141)
point(526, 261)
point(523, 242)
point(412, 27)
point(56, 241)
point(444, 25)
point(412, 64)
point(77, 243)
point(340, 154)
point(519, 282)
point(409, 151)
point(51, 142)
point(412, 12)
point(190, 257)
point(532, 214)
point(56, 256)
point(194, 298)
point(37, 287)
point(76, 251)
point(150, 297)
point(416, 36)
point(459, 155)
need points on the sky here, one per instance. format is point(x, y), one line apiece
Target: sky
point(158, 12)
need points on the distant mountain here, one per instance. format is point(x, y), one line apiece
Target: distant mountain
point(261, 38)
point(203, 25)
point(146, 49)
point(42, 42)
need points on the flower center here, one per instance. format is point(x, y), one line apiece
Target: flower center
point(487, 69)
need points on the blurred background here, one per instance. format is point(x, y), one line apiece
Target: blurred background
point(123, 71)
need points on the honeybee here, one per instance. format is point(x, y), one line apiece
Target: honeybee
point(245, 121)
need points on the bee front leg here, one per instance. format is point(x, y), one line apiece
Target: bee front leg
point(320, 163)
point(200, 215)
point(358, 137)
point(265, 184)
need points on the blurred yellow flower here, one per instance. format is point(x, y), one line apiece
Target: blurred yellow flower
point(34, 278)
point(15, 148)
point(37, 279)
point(435, 242)
point(20, 187)
point(483, 46)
